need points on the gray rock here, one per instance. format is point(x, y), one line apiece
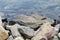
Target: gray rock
point(14, 31)
point(59, 35)
point(10, 38)
point(27, 20)
point(55, 38)
point(27, 31)
point(18, 38)
point(57, 27)
point(32, 21)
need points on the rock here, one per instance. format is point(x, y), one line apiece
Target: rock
point(14, 31)
point(27, 39)
point(42, 18)
point(59, 35)
point(3, 33)
point(19, 38)
point(27, 20)
point(27, 31)
point(10, 37)
point(51, 21)
point(46, 31)
point(55, 38)
point(57, 27)
point(34, 21)
point(38, 16)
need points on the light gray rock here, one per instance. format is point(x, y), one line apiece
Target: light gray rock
point(27, 31)
point(33, 20)
point(27, 20)
point(57, 27)
point(55, 38)
point(10, 37)
point(18, 38)
point(14, 31)
point(59, 35)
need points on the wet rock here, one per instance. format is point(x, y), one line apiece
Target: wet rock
point(27, 31)
point(38, 16)
point(27, 20)
point(46, 31)
point(34, 20)
point(10, 37)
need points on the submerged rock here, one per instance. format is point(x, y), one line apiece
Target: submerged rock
point(55, 38)
point(27, 20)
point(34, 20)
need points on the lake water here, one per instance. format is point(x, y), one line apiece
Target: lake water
point(50, 8)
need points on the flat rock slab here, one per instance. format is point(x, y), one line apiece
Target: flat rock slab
point(33, 20)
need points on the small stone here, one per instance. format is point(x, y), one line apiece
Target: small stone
point(26, 20)
point(10, 38)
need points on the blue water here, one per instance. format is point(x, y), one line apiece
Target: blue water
point(50, 8)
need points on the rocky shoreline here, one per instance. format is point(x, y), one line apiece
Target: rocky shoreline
point(29, 27)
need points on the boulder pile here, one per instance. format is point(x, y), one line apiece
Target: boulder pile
point(29, 27)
